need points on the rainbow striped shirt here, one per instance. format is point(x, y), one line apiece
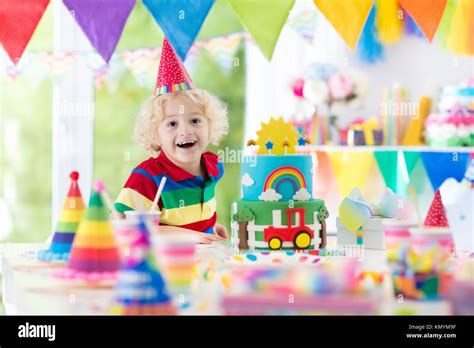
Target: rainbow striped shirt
point(186, 201)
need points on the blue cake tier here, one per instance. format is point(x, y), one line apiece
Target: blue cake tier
point(277, 178)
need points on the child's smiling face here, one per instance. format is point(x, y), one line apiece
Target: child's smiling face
point(184, 131)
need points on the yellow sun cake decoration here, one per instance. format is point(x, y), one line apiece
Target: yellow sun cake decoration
point(277, 138)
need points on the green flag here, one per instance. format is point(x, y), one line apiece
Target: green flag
point(264, 20)
point(411, 157)
point(394, 170)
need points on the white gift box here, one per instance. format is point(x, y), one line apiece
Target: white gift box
point(372, 232)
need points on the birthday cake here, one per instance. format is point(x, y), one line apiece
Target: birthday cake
point(277, 209)
point(453, 125)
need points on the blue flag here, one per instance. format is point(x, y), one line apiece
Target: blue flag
point(180, 20)
point(442, 165)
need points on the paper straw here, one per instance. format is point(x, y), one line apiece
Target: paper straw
point(100, 187)
point(158, 194)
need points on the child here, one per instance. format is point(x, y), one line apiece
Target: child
point(177, 125)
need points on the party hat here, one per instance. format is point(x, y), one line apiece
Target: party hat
point(140, 289)
point(67, 224)
point(94, 255)
point(436, 215)
point(172, 75)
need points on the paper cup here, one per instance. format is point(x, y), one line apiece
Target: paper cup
point(176, 256)
point(151, 217)
point(430, 249)
point(125, 232)
point(397, 234)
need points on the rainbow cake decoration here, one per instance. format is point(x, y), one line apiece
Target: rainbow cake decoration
point(94, 254)
point(277, 210)
point(140, 288)
point(68, 221)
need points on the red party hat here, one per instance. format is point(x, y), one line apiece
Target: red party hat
point(172, 75)
point(436, 215)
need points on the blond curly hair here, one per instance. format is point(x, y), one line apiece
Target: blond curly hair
point(152, 113)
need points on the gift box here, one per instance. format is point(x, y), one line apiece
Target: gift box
point(372, 237)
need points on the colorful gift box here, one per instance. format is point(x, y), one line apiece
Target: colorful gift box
point(371, 236)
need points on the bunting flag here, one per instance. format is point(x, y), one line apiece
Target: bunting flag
point(394, 170)
point(102, 21)
point(223, 49)
point(411, 158)
point(369, 49)
point(143, 64)
point(440, 166)
point(426, 14)
point(389, 21)
point(180, 20)
point(264, 20)
point(19, 20)
point(304, 23)
point(14, 70)
point(57, 63)
point(444, 28)
point(347, 17)
point(461, 36)
point(351, 169)
point(99, 68)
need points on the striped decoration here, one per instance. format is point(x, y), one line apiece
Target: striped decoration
point(67, 224)
point(223, 49)
point(360, 236)
point(173, 88)
point(94, 254)
point(143, 64)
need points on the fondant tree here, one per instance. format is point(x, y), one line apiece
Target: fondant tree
point(323, 214)
point(243, 216)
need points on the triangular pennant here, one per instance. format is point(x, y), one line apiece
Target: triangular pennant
point(426, 14)
point(223, 49)
point(461, 36)
point(304, 23)
point(444, 27)
point(347, 17)
point(102, 21)
point(180, 20)
point(411, 158)
point(351, 169)
point(57, 63)
point(143, 64)
point(442, 165)
point(264, 20)
point(388, 165)
point(389, 23)
point(369, 49)
point(19, 20)
point(394, 170)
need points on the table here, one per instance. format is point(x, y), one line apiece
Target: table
point(29, 288)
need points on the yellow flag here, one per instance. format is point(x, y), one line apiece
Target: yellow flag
point(389, 21)
point(461, 36)
point(351, 168)
point(347, 17)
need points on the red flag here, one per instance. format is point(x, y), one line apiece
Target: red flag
point(18, 21)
